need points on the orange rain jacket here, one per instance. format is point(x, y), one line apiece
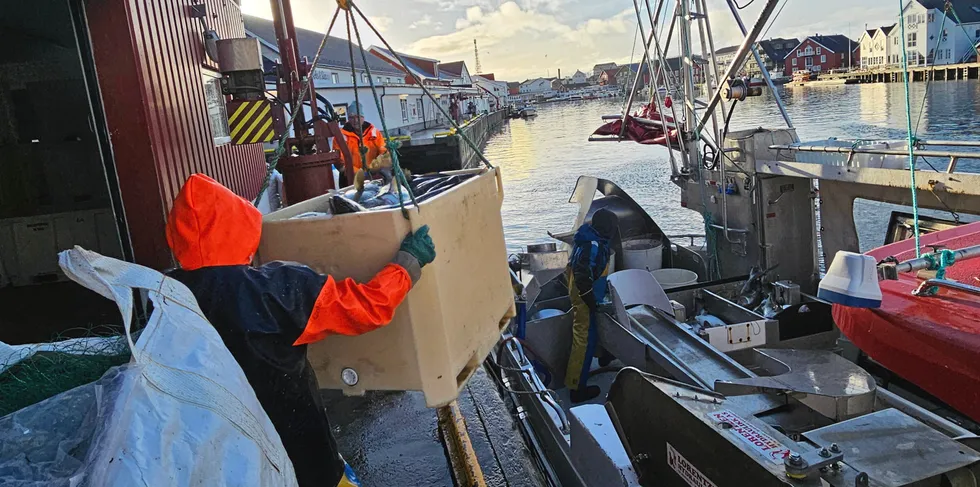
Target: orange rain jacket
point(266, 315)
point(374, 142)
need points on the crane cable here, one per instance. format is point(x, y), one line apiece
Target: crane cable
point(398, 175)
point(458, 128)
point(281, 147)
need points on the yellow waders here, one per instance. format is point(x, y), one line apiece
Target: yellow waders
point(584, 339)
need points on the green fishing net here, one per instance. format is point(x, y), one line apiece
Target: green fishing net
point(72, 363)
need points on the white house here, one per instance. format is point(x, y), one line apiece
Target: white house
point(927, 43)
point(497, 90)
point(878, 48)
point(895, 43)
point(456, 73)
point(536, 86)
point(579, 78)
point(333, 68)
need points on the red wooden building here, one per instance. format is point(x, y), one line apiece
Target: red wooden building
point(116, 103)
point(821, 54)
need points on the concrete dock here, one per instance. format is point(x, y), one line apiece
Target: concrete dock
point(392, 439)
point(945, 72)
point(439, 149)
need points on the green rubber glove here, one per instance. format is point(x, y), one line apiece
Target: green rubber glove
point(420, 245)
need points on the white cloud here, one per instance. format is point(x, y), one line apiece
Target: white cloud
point(518, 42)
point(381, 23)
point(451, 5)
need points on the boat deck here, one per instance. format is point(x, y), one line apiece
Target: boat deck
point(391, 438)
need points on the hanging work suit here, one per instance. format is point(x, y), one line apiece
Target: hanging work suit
point(266, 315)
point(587, 271)
point(374, 142)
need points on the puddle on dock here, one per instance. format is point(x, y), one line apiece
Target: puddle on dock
point(392, 439)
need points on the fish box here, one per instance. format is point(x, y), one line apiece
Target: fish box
point(452, 317)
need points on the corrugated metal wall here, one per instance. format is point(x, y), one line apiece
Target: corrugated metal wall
point(151, 64)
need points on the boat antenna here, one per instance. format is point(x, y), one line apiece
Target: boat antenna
point(476, 53)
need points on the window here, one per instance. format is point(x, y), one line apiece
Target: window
point(335, 78)
point(939, 55)
point(365, 79)
point(799, 52)
point(404, 104)
point(808, 62)
point(420, 108)
point(932, 17)
point(796, 69)
point(823, 58)
point(947, 54)
point(818, 50)
point(794, 61)
point(896, 38)
point(388, 81)
point(977, 34)
point(217, 111)
point(912, 39)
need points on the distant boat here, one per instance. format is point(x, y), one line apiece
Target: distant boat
point(528, 111)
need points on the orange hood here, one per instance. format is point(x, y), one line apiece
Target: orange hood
point(211, 226)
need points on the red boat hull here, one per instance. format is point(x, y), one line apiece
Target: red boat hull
point(933, 342)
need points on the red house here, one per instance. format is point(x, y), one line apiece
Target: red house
point(608, 77)
point(822, 53)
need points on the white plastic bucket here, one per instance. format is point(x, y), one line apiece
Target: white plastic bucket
point(643, 254)
point(671, 278)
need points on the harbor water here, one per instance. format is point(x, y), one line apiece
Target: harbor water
point(542, 158)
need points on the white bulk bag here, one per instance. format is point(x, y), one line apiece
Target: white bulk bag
point(183, 413)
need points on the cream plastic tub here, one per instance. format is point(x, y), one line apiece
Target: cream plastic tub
point(452, 317)
point(672, 278)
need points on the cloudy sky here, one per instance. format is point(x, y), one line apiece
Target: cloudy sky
point(520, 39)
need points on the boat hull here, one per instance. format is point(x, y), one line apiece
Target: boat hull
point(933, 342)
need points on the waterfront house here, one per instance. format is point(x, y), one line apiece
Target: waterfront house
point(895, 42)
point(724, 57)
point(513, 88)
point(579, 78)
point(876, 50)
point(456, 73)
point(535, 86)
point(608, 77)
point(673, 69)
point(819, 53)
point(425, 69)
point(333, 67)
point(773, 52)
point(626, 74)
point(497, 90)
point(598, 69)
point(404, 106)
point(927, 43)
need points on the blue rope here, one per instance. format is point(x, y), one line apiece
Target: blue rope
point(911, 139)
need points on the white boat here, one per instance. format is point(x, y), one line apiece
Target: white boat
point(529, 111)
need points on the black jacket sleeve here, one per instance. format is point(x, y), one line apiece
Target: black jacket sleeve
point(582, 273)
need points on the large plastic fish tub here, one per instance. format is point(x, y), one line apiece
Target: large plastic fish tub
point(452, 317)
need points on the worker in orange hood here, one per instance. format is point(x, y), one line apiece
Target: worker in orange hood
point(354, 130)
point(267, 315)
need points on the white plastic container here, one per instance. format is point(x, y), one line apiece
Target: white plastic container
point(643, 254)
point(448, 322)
point(674, 278)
